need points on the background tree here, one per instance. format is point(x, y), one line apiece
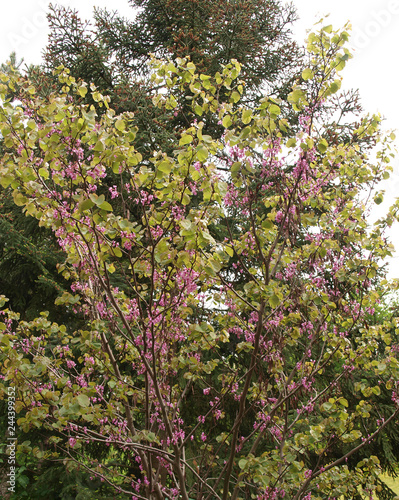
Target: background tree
point(114, 53)
point(274, 418)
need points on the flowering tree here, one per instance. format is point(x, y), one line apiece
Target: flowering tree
point(230, 346)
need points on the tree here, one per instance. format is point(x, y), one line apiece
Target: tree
point(210, 33)
point(207, 380)
point(114, 54)
point(95, 54)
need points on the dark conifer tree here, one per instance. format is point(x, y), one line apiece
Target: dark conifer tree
point(114, 53)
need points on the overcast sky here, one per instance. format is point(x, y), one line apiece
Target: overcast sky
point(375, 40)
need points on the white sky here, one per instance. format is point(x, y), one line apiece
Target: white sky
point(374, 69)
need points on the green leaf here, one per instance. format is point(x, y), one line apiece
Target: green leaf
point(31, 125)
point(20, 199)
point(105, 206)
point(6, 180)
point(274, 301)
point(186, 139)
point(242, 463)
point(235, 167)
point(274, 111)
point(235, 96)
point(227, 121)
point(82, 90)
point(307, 74)
point(83, 400)
point(298, 99)
point(120, 125)
point(245, 132)
point(99, 146)
point(322, 146)
point(246, 116)
point(43, 172)
point(335, 86)
point(229, 251)
point(59, 116)
point(86, 205)
point(97, 97)
point(165, 166)
point(97, 200)
point(185, 199)
point(202, 153)
point(151, 437)
point(198, 110)
point(296, 95)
